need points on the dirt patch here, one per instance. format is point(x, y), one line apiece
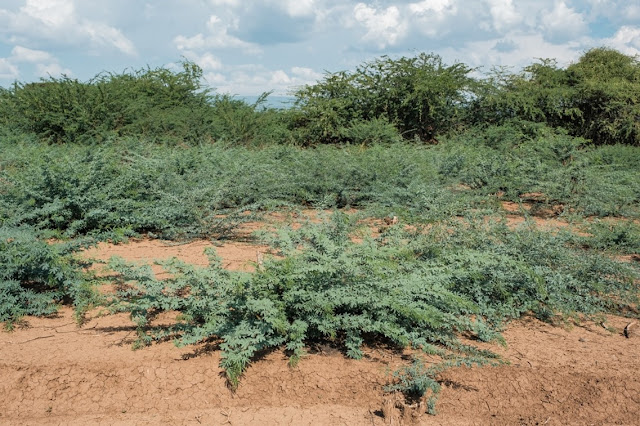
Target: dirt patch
point(55, 373)
point(237, 256)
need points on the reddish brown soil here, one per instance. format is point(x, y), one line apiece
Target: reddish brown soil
point(56, 373)
point(235, 256)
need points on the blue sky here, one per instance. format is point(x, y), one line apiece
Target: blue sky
point(246, 47)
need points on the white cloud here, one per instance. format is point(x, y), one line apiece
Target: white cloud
point(504, 14)
point(626, 40)
point(297, 8)
point(57, 21)
point(306, 74)
point(209, 62)
point(105, 35)
point(279, 78)
point(294, 38)
point(52, 70)
point(563, 23)
point(384, 28)
point(431, 16)
point(526, 49)
point(217, 38)
point(8, 71)
point(23, 54)
point(616, 10)
point(294, 8)
point(231, 3)
point(43, 63)
point(435, 7)
point(51, 13)
point(252, 79)
point(206, 61)
point(214, 79)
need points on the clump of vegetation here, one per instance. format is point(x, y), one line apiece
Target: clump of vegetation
point(597, 98)
point(419, 288)
point(616, 236)
point(129, 187)
point(36, 276)
point(158, 105)
point(421, 97)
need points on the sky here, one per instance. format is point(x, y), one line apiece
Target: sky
point(248, 47)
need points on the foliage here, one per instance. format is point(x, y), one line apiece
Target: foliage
point(607, 92)
point(421, 96)
point(160, 105)
point(541, 92)
point(417, 98)
point(36, 275)
point(597, 98)
point(234, 122)
point(128, 187)
point(153, 103)
point(117, 190)
point(619, 236)
point(519, 158)
point(418, 288)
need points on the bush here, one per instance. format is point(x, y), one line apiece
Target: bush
point(596, 98)
point(420, 288)
point(420, 96)
point(36, 276)
point(157, 104)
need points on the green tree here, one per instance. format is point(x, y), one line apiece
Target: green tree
point(607, 92)
point(596, 98)
point(421, 96)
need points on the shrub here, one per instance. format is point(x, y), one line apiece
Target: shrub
point(420, 288)
point(421, 96)
point(596, 98)
point(607, 93)
point(157, 104)
point(36, 276)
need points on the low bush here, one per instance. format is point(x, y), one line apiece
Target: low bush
point(36, 276)
point(420, 288)
point(614, 236)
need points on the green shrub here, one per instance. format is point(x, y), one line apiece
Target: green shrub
point(518, 158)
point(156, 104)
point(420, 288)
point(620, 236)
point(36, 276)
point(596, 98)
point(607, 92)
point(420, 96)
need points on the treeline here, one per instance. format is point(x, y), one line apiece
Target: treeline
point(413, 98)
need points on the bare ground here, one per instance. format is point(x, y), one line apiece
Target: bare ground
point(55, 373)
